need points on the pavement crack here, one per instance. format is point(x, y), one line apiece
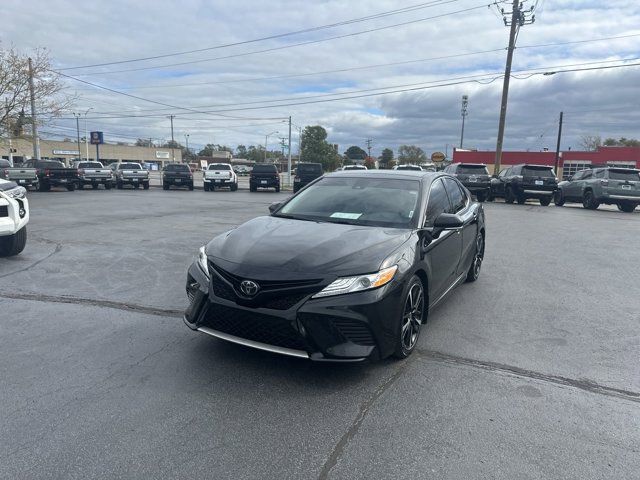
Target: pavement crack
point(581, 384)
point(354, 427)
point(128, 307)
point(36, 263)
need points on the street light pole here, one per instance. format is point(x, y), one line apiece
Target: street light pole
point(266, 137)
point(86, 136)
point(289, 160)
point(187, 139)
point(77, 115)
point(465, 103)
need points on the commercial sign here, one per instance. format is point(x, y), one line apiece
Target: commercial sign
point(97, 138)
point(66, 152)
point(437, 157)
point(162, 154)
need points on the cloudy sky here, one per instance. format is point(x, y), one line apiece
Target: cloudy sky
point(392, 71)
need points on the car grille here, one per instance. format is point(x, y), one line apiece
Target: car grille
point(221, 289)
point(4, 211)
point(253, 326)
point(345, 328)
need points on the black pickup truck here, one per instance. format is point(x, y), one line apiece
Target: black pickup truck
point(305, 174)
point(178, 175)
point(264, 176)
point(52, 173)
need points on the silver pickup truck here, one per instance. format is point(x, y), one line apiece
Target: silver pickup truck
point(94, 174)
point(25, 177)
point(130, 173)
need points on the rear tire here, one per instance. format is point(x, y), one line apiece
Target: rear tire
point(119, 185)
point(474, 269)
point(558, 198)
point(627, 207)
point(44, 187)
point(521, 200)
point(234, 187)
point(94, 186)
point(165, 186)
point(277, 189)
point(191, 187)
point(145, 186)
point(481, 196)
point(107, 186)
point(252, 189)
point(71, 187)
point(589, 201)
point(545, 201)
point(13, 244)
point(81, 186)
point(411, 319)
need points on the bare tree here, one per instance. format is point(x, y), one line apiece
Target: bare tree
point(14, 87)
point(590, 142)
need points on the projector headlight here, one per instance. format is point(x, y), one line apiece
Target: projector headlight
point(358, 283)
point(202, 261)
point(18, 192)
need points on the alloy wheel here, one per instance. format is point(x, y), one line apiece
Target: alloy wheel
point(412, 317)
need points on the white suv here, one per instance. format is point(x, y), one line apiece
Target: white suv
point(14, 216)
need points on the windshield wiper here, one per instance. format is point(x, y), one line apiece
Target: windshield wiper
point(293, 217)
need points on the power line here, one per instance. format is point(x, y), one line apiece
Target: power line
point(283, 47)
point(410, 8)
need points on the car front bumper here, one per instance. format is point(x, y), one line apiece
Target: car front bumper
point(341, 328)
point(13, 222)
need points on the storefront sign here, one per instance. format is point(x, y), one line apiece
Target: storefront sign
point(65, 152)
point(162, 154)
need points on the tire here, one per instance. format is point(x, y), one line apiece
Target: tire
point(71, 187)
point(277, 189)
point(80, 186)
point(558, 198)
point(145, 186)
point(234, 187)
point(490, 197)
point(107, 186)
point(165, 186)
point(521, 200)
point(212, 188)
point(411, 318)
point(253, 189)
point(205, 187)
point(509, 197)
point(11, 245)
point(481, 196)
point(191, 187)
point(478, 257)
point(94, 186)
point(626, 207)
point(545, 201)
point(44, 187)
point(589, 201)
point(136, 186)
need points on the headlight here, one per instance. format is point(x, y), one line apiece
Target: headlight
point(202, 261)
point(18, 192)
point(359, 283)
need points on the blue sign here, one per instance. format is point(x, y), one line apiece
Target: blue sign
point(97, 138)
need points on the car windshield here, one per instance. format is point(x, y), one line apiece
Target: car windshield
point(265, 169)
point(309, 168)
point(367, 201)
point(409, 167)
point(89, 165)
point(50, 164)
point(219, 166)
point(545, 172)
point(472, 170)
point(130, 166)
point(355, 167)
point(624, 174)
point(177, 168)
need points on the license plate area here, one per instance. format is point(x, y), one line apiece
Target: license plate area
point(263, 182)
point(626, 187)
point(538, 182)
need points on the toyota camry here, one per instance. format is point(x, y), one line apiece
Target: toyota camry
point(345, 270)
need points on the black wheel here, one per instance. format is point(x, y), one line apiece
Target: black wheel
point(13, 244)
point(94, 186)
point(509, 197)
point(234, 187)
point(205, 186)
point(277, 189)
point(44, 187)
point(107, 186)
point(191, 187)
point(521, 199)
point(165, 186)
point(71, 187)
point(136, 186)
point(252, 189)
point(295, 189)
point(474, 269)
point(411, 319)
point(490, 197)
point(626, 207)
point(80, 186)
point(558, 198)
point(119, 185)
point(589, 201)
point(481, 196)
point(545, 201)
point(212, 188)
point(145, 186)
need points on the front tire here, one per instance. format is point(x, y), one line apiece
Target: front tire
point(234, 187)
point(481, 196)
point(71, 187)
point(474, 269)
point(411, 319)
point(277, 189)
point(558, 198)
point(13, 244)
point(545, 201)
point(589, 201)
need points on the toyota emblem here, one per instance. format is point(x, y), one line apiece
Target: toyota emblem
point(249, 288)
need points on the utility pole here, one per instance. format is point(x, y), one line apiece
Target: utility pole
point(465, 104)
point(369, 146)
point(77, 115)
point(188, 153)
point(518, 19)
point(34, 123)
point(289, 157)
point(9, 133)
point(558, 144)
point(173, 153)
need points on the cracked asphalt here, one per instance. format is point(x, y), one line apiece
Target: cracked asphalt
point(532, 372)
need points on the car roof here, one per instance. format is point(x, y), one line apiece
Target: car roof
point(463, 164)
point(407, 174)
point(531, 165)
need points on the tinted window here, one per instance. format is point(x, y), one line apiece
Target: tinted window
point(409, 167)
point(129, 166)
point(545, 172)
point(438, 202)
point(578, 175)
point(265, 169)
point(89, 165)
point(458, 199)
point(473, 170)
point(599, 174)
point(624, 174)
point(49, 164)
point(219, 166)
point(355, 167)
point(177, 167)
point(359, 201)
point(504, 173)
point(309, 168)
point(586, 174)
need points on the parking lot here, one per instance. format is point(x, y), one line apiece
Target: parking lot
point(530, 372)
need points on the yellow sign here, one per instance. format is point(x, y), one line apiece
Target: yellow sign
point(437, 157)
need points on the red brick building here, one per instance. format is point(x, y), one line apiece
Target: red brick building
point(570, 161)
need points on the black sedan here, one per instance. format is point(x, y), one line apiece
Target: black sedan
point(346, 270)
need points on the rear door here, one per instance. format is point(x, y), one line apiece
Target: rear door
point(443, 252)
point(462, 205)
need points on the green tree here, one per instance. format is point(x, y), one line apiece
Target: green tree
point(144, 142)
point(355, 153)
point(209, 148)
point(315, 148)
point(411, 154)
point(241, 151)
point(590, 142)
point(370, 163)
point(622, 142)
point(386, 159)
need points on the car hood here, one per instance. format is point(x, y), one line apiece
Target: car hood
point(268, 244)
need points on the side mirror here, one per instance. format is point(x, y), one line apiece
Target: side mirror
point(274, 206)
point(447, 221)
point(494, 176)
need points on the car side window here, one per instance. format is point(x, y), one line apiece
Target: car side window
point(586, 174)
point(457, 197)
point(437, 203)
point(599, 174)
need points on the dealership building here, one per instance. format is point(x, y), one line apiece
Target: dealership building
point(570, 161)
point(67, 151)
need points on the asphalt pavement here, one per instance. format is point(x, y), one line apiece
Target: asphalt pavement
point(531, 372)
